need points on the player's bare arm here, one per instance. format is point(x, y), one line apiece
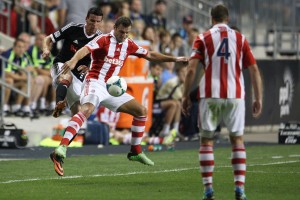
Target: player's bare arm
point(257, 87)
point(47, 45)
point(158, 57)
point(188, 82)
point(70, 65)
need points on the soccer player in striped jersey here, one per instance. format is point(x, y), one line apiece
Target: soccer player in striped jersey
point(75, 36)
point(108, 53)
point(224, 53)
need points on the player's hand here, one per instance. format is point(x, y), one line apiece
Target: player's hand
point(186, 106)
point(83, 69)
point(184, 60)
point(256, 108)
point(68, 66)
point(46, 54)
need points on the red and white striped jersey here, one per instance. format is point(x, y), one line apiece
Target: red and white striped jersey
point(224, 52)
point(108, 56)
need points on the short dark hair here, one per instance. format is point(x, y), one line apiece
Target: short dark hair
point(95, 11)
point(124, 21)
point(18, 40)
point(219, 13)
point(160, 2)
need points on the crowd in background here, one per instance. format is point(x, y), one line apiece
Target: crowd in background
point(27, 50)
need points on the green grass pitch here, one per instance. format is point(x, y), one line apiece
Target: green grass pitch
point(273, 172)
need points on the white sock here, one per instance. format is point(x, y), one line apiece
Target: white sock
point(176, 126)
point(5, 107)
point(42, 103)
point(26, 109)
point(52, 105)
point(33, 105)
point(165, 130)
point(16, 107)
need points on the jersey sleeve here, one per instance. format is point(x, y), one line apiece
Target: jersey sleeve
point(137, 50)
point(96, 43)
point(248, 58)
point(198, 49)
point(62, 33)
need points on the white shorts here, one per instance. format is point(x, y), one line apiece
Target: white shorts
point(95, 92)
point(74, 90)
point(214, 111)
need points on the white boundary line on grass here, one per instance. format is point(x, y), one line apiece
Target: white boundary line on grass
point(135, 173)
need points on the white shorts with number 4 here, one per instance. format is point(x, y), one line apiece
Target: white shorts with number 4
point(214, 111)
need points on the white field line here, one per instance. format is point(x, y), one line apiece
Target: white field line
point(137, 173)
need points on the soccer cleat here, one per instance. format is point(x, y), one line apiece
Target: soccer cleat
point(141, 157)
point(208, 194)
point(240, 194)
point(58, 161)
point(169, 140)
point(60, 106)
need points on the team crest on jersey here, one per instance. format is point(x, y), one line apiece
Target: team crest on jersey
point(114, 61)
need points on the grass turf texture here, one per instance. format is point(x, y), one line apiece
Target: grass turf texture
point(273, 172)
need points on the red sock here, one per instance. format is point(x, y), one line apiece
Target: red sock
point(207, 163)
point(137, 129)
point(73, 127)
point(238, 161)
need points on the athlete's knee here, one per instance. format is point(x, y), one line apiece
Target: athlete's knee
point(87, 109)
point(66, 78)
point(141, 111)
point(235, 140)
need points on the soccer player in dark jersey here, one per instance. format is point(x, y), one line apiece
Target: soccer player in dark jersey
point(75, 36)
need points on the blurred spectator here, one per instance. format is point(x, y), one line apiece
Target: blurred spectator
point(35, 21)
point(37, 81)
point(122, 9)
point(177, 45)
point(170, 95)
point(156, 17)
point(15, 21)
point(106, 8)
point(108, 25)
point(136, 10)
point(165, 41)
point(73, 11)
point(150, 34)
point(187, 23)
point(18, 77)
point(138, 26)
point(42, 68)
point(168, 71)
point(192, 34)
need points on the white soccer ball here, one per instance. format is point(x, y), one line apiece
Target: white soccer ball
point(116, 86)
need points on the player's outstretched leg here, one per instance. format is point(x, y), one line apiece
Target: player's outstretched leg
point(57, 157)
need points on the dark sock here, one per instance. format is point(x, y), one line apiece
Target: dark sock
point(61, 90)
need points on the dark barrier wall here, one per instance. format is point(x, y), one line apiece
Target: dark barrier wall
point(281, 79)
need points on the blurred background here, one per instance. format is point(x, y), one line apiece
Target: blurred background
point(272, 28)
